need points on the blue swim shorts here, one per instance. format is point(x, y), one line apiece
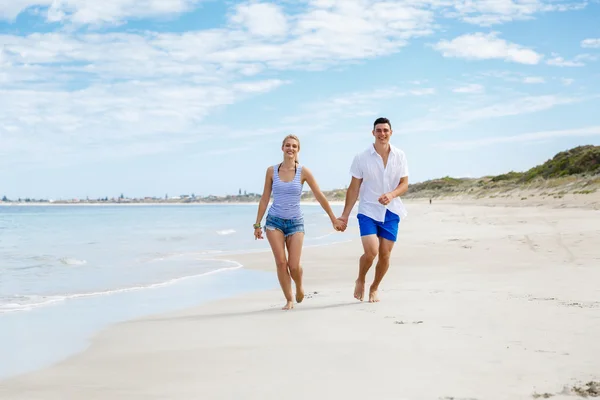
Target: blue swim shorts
point(388, 229)
point(287, 226)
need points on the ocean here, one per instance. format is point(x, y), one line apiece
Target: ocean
point(67, 272)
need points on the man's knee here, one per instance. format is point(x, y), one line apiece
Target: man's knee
point(370, 248)
point(370, 254)
point(384, 256)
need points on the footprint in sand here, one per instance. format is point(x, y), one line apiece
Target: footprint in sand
point(404, 323)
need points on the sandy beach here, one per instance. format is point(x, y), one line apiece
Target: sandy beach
point(480, 303)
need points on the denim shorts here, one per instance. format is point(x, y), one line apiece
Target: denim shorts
point(287, 226)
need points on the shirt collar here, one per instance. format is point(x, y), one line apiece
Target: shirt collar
point(373, 151)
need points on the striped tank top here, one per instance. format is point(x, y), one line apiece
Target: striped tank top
point(286, 196)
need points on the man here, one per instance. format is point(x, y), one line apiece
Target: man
point(380, 177)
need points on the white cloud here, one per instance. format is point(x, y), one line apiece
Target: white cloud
point(258, 86)
point(481, 46)
point(213, 63)
point(449, 113)
point(104, 91)
point(522, 138)
point(159, 87)
point(591, 43)
point(130, 116)
point(522, 105)
point(567, 81)
point(324, 115)
point(471, 88)
point(492, 12)
point(578, 61)
point(323, 36)
point(454, 115)
point(511, 76)
point(84, 12)
point(357, 104)
point(481, 12)
point(587, 57)
point(533, 79)
point(422, 92)
point(559, 61)
point(261, 19)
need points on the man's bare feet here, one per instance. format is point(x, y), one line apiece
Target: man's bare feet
point(373, 296)
point(359, 290)
point(288, 306)
point(299, 294)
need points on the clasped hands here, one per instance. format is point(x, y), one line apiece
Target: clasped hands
point(340, 224)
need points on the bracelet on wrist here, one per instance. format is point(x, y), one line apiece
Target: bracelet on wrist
point(256, 226)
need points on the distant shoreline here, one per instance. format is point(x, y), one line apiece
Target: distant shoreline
point(106, 204)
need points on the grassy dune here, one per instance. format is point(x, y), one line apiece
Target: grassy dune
point(574, 171)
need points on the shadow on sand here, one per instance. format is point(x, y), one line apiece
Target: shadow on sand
point(273, 310)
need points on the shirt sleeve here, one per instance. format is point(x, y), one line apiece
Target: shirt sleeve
point(403, 166)
point(355, 169)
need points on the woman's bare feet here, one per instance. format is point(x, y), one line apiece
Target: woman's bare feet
point(359, 290)
point(288, 306)
point(299, 294)
point(373, 296)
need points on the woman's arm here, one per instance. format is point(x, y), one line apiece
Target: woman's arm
point(351, 197)
point(312, 183)
point(264, 202)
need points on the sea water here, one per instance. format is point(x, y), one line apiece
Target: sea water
point(68, 271)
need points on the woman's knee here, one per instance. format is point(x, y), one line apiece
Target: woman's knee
point(281, 264)
point(294, 267)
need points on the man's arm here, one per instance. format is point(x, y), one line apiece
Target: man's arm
point(402, 188)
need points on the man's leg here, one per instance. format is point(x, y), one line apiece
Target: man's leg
point(383, 264)
point(370, 245)
point(368, 235)
point(387, 237)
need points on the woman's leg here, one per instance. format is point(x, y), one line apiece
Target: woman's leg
point(294, 245)
point(277, 242)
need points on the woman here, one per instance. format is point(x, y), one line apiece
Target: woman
point(285, 222)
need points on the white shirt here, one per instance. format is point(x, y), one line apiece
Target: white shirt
point(377, 180)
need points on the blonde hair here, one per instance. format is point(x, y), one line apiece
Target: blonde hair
point(296, 139)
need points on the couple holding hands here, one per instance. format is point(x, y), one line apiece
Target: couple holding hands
point(379, 177)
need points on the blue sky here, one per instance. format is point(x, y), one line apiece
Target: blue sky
point(148, 97)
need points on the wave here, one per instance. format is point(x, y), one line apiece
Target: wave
point(27, 303)
point(322, 236)
point(172, 239)
point(226, 232)
point(72, 261)
point(190, 255)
